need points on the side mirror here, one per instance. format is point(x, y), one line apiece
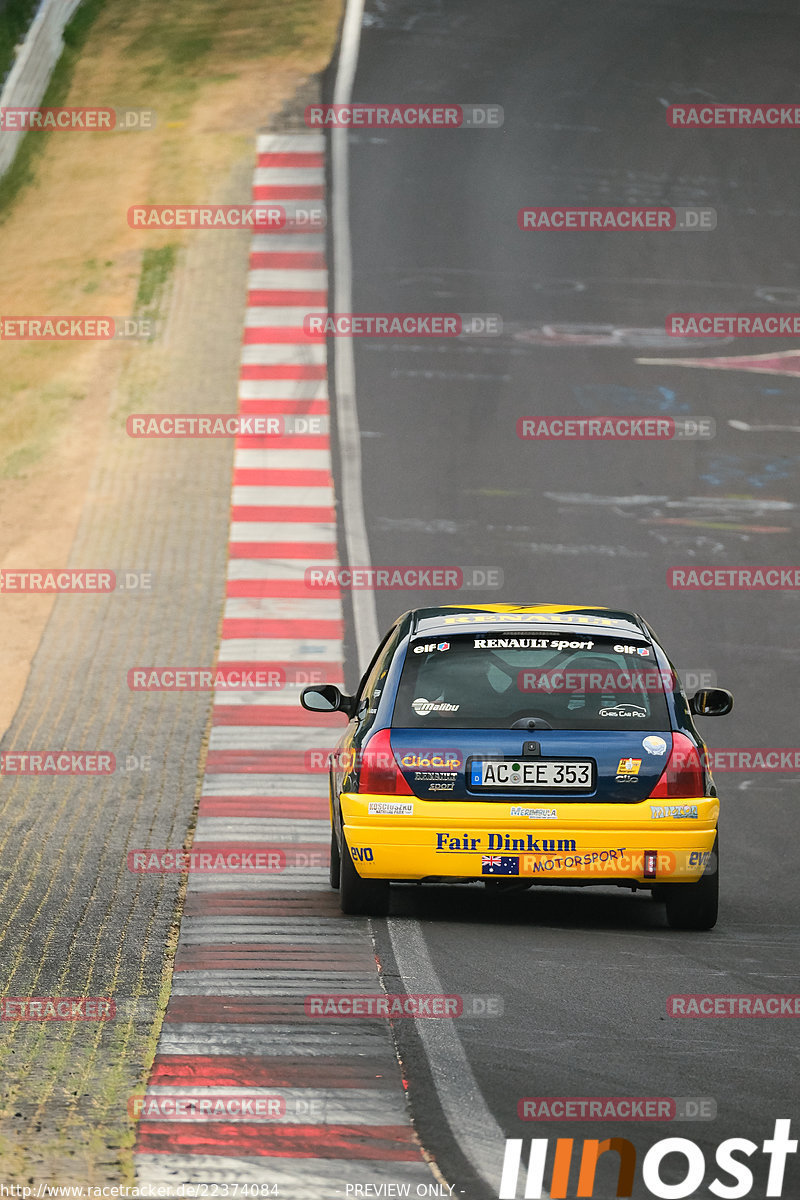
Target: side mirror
point(711, 702)
point(326, 697)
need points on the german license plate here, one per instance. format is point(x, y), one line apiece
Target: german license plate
point(539, 774)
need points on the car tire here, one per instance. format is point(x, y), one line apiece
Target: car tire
point(335, 868)
point(695, 905)
point(361, 897)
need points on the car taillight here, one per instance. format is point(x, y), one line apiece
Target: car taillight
point(378, 772)
point(683, 777)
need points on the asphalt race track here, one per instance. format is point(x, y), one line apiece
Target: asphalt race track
point(418, 462)
point(584, 975)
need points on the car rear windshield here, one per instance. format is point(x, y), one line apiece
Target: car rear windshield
point(492, 680)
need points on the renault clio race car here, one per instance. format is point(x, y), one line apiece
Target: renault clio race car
point(523, 745)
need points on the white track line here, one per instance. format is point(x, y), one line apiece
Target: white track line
point(479, 1137)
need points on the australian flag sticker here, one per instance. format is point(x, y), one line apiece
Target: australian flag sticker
point(498, 864)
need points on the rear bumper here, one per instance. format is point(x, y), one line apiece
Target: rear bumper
point(404, 838)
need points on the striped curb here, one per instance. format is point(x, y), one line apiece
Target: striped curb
point(253, 946)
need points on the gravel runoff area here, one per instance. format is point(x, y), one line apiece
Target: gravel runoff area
point(73, 920)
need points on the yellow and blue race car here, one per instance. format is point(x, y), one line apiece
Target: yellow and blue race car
point(523, 745)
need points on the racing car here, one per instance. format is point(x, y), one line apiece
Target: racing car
point(521, 745)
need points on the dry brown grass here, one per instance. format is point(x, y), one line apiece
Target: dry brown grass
point(214, 71)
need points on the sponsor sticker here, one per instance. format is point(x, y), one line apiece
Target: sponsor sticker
point(623, 710)
point(674, 811)
point(497, 864)
point(423, 707)
point(534, 814)
point(530, 643)
point(629, 766)
point(654, 745)
point(388, 808)
point(515, 618)
point(446, 760)
point(501, 843)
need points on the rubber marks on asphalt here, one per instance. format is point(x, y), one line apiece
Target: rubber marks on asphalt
point(252, 946)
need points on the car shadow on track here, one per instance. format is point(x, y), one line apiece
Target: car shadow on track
point(555, 908)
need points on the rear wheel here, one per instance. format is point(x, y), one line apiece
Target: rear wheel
point(695, 905)
point(364, 897)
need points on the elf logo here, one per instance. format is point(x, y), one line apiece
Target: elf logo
point(693, 1165)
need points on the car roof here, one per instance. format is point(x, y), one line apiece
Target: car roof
point(458, 618)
